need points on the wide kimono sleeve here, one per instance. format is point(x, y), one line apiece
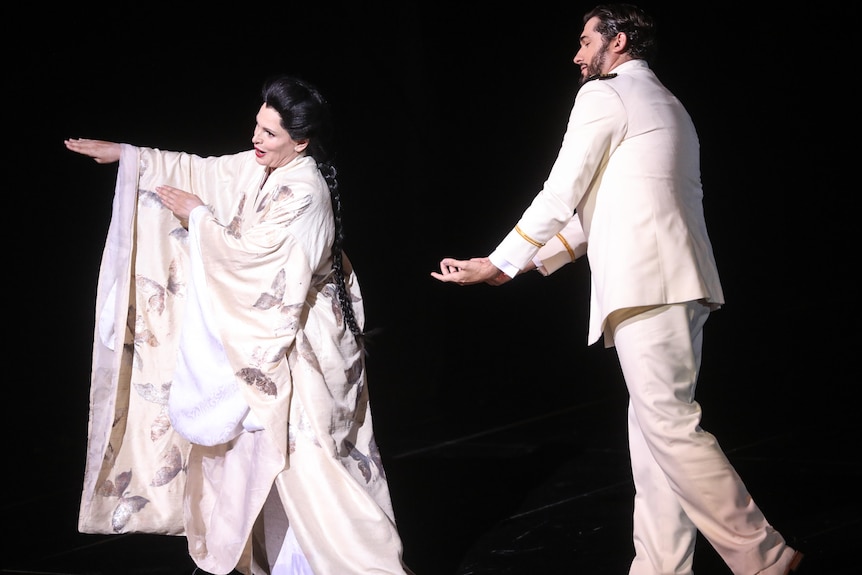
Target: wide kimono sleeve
point(259, 273)
point(596, 127)
point(133, 478)
point(135, 462)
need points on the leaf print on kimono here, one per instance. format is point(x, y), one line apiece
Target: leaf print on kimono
point(354, 372)
point(150, 199)
point(161, 425)
point(127, 506)
point(268, 300)
point(110, 488)
point(330, 291)
point(365, 462)
point(173, 464)
point(158, 395)
point(153, 394)
point(306, 352)
point(124, 511)
point(264, 200)
point(180, 234)
point(301, 427)
point(254, 377)
point(285, 193)
point(142, 336)
point(175, 285)
point(274, 299)
point(291, 438)
point(234, 228)
point(130, 356)
point(153, 291)
point(282, 193)
point(290, 316)
point(269, 355)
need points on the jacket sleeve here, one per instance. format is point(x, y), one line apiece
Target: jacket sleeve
point(568, 245)
point(596, 126)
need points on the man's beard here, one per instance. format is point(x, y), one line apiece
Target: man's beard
point(594, 68)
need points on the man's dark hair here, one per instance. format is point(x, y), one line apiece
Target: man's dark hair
point(638, 26)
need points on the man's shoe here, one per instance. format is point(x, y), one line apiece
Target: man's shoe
point(794, 564)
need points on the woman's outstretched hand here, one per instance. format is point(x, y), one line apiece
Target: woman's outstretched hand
point(101, 151)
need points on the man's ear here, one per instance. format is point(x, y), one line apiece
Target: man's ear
point(620, 43)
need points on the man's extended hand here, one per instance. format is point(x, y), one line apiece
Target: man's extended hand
point(469, 272)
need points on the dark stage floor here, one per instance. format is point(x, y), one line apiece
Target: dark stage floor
point(521, 489)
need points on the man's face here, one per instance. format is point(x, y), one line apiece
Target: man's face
point(592, 56)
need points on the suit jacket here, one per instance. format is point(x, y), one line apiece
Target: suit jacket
point(629, 171)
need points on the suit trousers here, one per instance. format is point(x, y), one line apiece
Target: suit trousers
point(683, 480)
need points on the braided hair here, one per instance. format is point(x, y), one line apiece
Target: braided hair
point(305, 115)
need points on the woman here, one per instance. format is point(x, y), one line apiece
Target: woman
point(229, 399)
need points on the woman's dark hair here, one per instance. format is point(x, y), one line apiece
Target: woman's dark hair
point(305, 114)
point(638, 26)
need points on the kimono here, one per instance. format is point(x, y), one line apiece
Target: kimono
point(281, 415)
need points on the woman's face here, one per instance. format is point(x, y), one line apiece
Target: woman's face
point(273, 146)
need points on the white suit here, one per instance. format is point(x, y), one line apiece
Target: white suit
point(626, 190)
point(630, 165)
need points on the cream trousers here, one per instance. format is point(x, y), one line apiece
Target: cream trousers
point(683, 480)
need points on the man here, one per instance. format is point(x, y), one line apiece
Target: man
point(625, 189)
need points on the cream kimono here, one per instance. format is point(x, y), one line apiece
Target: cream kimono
point(291, 422)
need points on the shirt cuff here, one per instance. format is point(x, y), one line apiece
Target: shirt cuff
point(503, 265)
point(540, 266)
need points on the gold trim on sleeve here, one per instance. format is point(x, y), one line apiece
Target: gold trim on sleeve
point(568, 247)
point(528, 238)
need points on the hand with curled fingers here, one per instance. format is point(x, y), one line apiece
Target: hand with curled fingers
point(469, 272)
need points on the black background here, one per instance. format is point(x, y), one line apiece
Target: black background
point(450, 115)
